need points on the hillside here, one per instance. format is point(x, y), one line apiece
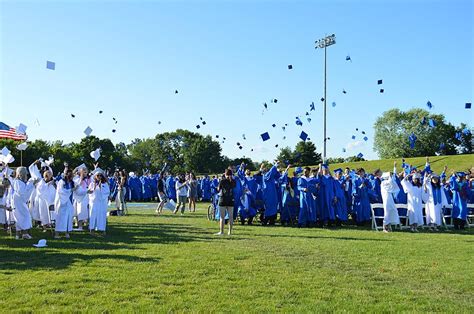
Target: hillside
point(454, 162)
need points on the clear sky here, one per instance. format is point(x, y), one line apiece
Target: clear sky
point(226, 58)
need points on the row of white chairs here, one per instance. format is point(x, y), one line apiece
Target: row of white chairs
point(403, 213)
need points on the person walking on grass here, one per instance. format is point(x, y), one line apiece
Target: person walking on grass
point(192, 191)
point(226, 201)
point(161, 187)
point(182, 193)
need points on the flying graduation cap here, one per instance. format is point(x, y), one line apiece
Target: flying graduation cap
point(198, 126)
point(73, 115)
point(344, 91)
point(274, 125)
point(88, 131)
point(348, 58)
point(468, 105)
point(429, 105)
point(303, 136)
point(412, 138)
point(382, 90)
point(290, 66)
point(432, 123)
point(50, 65)
point(334, 104)
point(311, 106)
point(176, 91)
point(379, 82)
point(298, 121)
point(363, 132)
point(274, 100)
point(353, 137)
point(360, 155)
point(366, 138)
point(309, 119)
point(322, 98)
point(100, 111)
point(21, 129)
point(265, 136)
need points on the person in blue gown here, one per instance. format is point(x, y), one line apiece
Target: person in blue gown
point(307, 188)
point(341, 204)
point(460, 189)
point(327, 195)
point(361, 198)
point(270, 197)
point(376, 192)
point(290, 198)
point(170, 187)
point(250, 188)
point(348, 190)
point(237, 191)
point(135, 186)
point(206, 189)
point(146, 187)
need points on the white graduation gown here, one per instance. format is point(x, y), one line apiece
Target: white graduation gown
point(414, 204)
point(33, 205)
point(63, 208)
point(46, 194)
point(389, 190)
point(433, 212)
point(3, 211)
point(21, 193)
point(81, 200)
point(98, 206)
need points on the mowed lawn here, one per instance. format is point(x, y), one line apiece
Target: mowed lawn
point(174, 263)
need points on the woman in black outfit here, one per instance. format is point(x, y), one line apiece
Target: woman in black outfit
point(226, 201)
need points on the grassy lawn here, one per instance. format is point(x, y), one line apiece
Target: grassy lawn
point(174, 263)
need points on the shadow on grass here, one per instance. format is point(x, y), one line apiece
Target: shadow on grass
point(55, 259)
point(316, 237)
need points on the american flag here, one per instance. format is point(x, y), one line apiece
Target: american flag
point(8, 132)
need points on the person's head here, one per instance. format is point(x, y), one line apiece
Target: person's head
point(228, 173)
point(325, 169)
point(361, 172)
point(347, 170)
point(47, 176)
point(68, 174)
point(435, 181)
point(100, 177)
point(182, 178)
point(338, 174)
point(83, 172)
point(306, 171)
point(314, 172)
point(263, 167)
point(460, 176)
point(22, 174)
point(416, 179)
point(248, 173)
point(192, 176)
point(377, 173)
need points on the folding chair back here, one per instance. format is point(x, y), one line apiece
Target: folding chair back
point(403, 214)
point(377, 214)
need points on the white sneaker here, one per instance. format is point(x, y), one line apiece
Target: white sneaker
point(219, 234)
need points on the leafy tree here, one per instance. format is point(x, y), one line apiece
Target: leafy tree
point(394, 127)
point(305, 154)
point(354, 158)
point(335, 160)
point(286, 155)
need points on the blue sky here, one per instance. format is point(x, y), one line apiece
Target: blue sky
point(226, 58)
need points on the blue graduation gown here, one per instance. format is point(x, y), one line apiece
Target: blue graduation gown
point(290, 199)
point(361, 200)
point(376, 195)
point(206, 189)
point(237, 190)
point(250, 212)
point(327, 194)
point(214, 185)
point(460, 196)
point(170, 188)
point(341, 205)
point(146, 187)
point(348, 194)
point(269, 189)
point(401, 196)
point(307, 211)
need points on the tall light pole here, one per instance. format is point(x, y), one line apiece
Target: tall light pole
point(324, 43)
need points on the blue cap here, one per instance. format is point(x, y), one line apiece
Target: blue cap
point(460, 174)
point(298, 121)
point(360, 155)
point(429, 105)
point(334, 104)
point(353, 137)
point(303, 135)
point(365, 138)
point(338, 170)
point(290, 66)
point(379, 82)
point(50, 65)
point(298, 170)
point(382, 90)
point(311, 107)
point(265, 136)
point(432, 123)
point(348, 58)
point(309, 120)
point(468, 105)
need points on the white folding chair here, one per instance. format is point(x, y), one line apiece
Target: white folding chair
point(444, 215)
point(376, 208)
point(403, 215)
point(470, 215)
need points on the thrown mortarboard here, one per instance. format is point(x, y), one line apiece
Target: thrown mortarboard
point(200, 118)
point(274, 125)
point(265, 136)
point(429, 105)
point(276, 145)
point(240, 147)
point(309, 120)
point(344, 91)
point(274, 101)
point(284, 137)
point(95, 154)
point(468, 105)
point(21, 129)
point(307, 113)
point(198, 126)
point(363, 132)
point(382, 90)
point(357, 129)
point(360, 155)
point(251, 149)
point(223, 138)
point(203, 122)
point(432, 123)
point(308, 139)
point(334, 104)
point(466, 131)
point(88, 131)
point(412, 138)
point(114, 130)
point(366, 138)
point(348, 58)
point(290, 67)
point(353, 137)
point(298, 121)
point(73, 115)
point(343, 150)
point(238, 144)
point(100, 112)
point(322, 98)
point(311, 106)
point(283, 128)
point(379, 82)
point(50, 65)
point(458, 136)
point(303, 136)
point(5, 151)
point(265, 105)
point(176, 91)
point(423, 121)
point(217, 136)
point(22, 146)
point(243, 136)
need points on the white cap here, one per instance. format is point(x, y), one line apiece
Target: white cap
point(41, 243)
point(95, 154)
point(5, 151)
point(88, 131)
point(22, 146)
point(21, 129)
point(385, 175)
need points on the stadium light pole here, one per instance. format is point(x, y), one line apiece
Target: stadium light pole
point(324, 43)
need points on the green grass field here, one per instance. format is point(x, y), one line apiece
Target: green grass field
point(174, 263)
point(454, 162)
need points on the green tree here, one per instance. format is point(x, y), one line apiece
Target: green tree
point(305, 154)
point(286, 155)
point(393, 128)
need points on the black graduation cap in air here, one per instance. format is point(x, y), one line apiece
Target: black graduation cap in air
point(223, 138)
point(379, 82)
point(303, 135)
point(176, 91)
point(265, 136)
point(265, 105)
point(274, 101)
point(290, 66)
point(274, 125)
point(200, 118)
point(468, 105)
point(381, 90)
point(344, 91)
point(348, 58)
point(363, 132)
point(217, 136)
point(100, 111)
point(114, 130)
point(238, 144)
point(73, 115)
point(322, 98)
point(159, 122)
point(276, 145)
point(203, 122)
point(357, 129)
point(240, 147)
point(307, 113)
point(198, 126)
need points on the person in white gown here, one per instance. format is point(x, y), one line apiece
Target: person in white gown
point(389, 191)
point(99, 191)
point(22, 189)
point(81, 198)
point(414, 195)
point(435, 199)
point(63, 204)
point(46, 191)
point(4, 208)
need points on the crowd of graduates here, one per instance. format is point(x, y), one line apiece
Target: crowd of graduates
point(306, 198)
